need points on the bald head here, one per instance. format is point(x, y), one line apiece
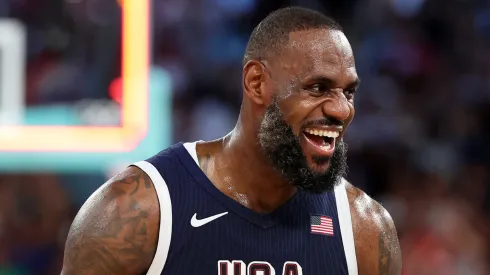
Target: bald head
point(272, 33)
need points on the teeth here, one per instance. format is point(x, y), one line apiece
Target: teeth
point(326, 147)
point(322, 133)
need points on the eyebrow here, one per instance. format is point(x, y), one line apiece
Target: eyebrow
point(328, 81)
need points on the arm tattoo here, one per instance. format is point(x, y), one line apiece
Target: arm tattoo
point(111, 232)
point(385, 265)
point(389, 260)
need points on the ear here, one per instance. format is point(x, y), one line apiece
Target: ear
point(254, 76)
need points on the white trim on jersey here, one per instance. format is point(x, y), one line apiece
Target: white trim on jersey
point(191, 148)
point(165, 230)
point(345, 221)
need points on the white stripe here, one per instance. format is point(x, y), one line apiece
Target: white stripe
point(323, 227)
point(345, 222)
point(165, 231)
point(191, 148)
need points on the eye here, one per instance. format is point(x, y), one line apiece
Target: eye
point(317, 89)
point(349, 93)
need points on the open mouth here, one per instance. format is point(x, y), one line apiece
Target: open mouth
point(323, 141)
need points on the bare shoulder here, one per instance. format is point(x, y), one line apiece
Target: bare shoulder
point(116, 230)
point(375, 237)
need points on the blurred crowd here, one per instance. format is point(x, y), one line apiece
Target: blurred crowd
point(417, 143)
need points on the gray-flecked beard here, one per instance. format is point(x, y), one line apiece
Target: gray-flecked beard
point(283, 149)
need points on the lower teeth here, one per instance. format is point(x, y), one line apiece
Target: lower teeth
point(325, 147)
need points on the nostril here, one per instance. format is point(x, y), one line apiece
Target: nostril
point(337, 109)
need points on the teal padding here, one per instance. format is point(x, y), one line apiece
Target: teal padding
point(158, 137)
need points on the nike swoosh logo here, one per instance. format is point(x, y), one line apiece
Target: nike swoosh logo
point(197, 223)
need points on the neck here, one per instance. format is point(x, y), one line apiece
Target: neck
point(254, 176)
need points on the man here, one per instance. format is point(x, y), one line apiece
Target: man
point(268, 198)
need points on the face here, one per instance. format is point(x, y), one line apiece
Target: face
point(312, 89)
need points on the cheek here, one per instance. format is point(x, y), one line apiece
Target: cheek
point(295, 111)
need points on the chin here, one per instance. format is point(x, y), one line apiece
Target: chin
point(319, 165)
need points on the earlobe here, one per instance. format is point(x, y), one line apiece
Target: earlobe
point(253, 81)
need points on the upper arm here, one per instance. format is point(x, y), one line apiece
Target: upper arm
point(389, 257)
point(116, 230)
point(377, 246)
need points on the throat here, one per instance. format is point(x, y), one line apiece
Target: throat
point(262, 195)
point(245, 175)
point(265, 203)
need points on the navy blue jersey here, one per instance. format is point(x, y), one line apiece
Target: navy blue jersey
point(205, 232)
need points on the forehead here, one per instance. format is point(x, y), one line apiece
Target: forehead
point(320, 51)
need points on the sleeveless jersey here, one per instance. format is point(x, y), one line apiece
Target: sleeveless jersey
point(205, 232)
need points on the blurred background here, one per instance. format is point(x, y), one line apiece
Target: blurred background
point(417, 144)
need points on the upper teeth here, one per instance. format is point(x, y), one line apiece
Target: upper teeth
point(322, 133)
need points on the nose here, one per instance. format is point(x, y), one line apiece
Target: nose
point(337, 106)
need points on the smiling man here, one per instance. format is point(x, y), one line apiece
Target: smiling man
point(269, 197)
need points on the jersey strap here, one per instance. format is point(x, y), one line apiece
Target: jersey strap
point(345, 222)
point(165, 230)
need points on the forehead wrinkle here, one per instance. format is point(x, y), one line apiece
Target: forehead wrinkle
point(321, 48)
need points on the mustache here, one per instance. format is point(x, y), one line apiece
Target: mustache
point(327, 121)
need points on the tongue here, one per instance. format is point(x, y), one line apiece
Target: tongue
point(320, 141)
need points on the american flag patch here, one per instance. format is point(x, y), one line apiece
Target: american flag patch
point(321, 225)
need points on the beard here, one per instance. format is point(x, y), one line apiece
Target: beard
point(283, 149)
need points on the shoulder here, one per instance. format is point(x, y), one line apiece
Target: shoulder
point(131, 188)
point(366, 211)
point(116, 230)
point(375, 237)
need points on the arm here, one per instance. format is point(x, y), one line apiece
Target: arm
point(116, 230)
point(389, 253)
point(377, 247)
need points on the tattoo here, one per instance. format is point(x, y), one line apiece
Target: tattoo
point(135, 179)
point(385, 266)
point(389, 254)
point(111, 234)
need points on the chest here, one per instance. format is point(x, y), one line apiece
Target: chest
point(210, 238)
point(213, 234)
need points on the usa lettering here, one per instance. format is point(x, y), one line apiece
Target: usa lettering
point(256, 268)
